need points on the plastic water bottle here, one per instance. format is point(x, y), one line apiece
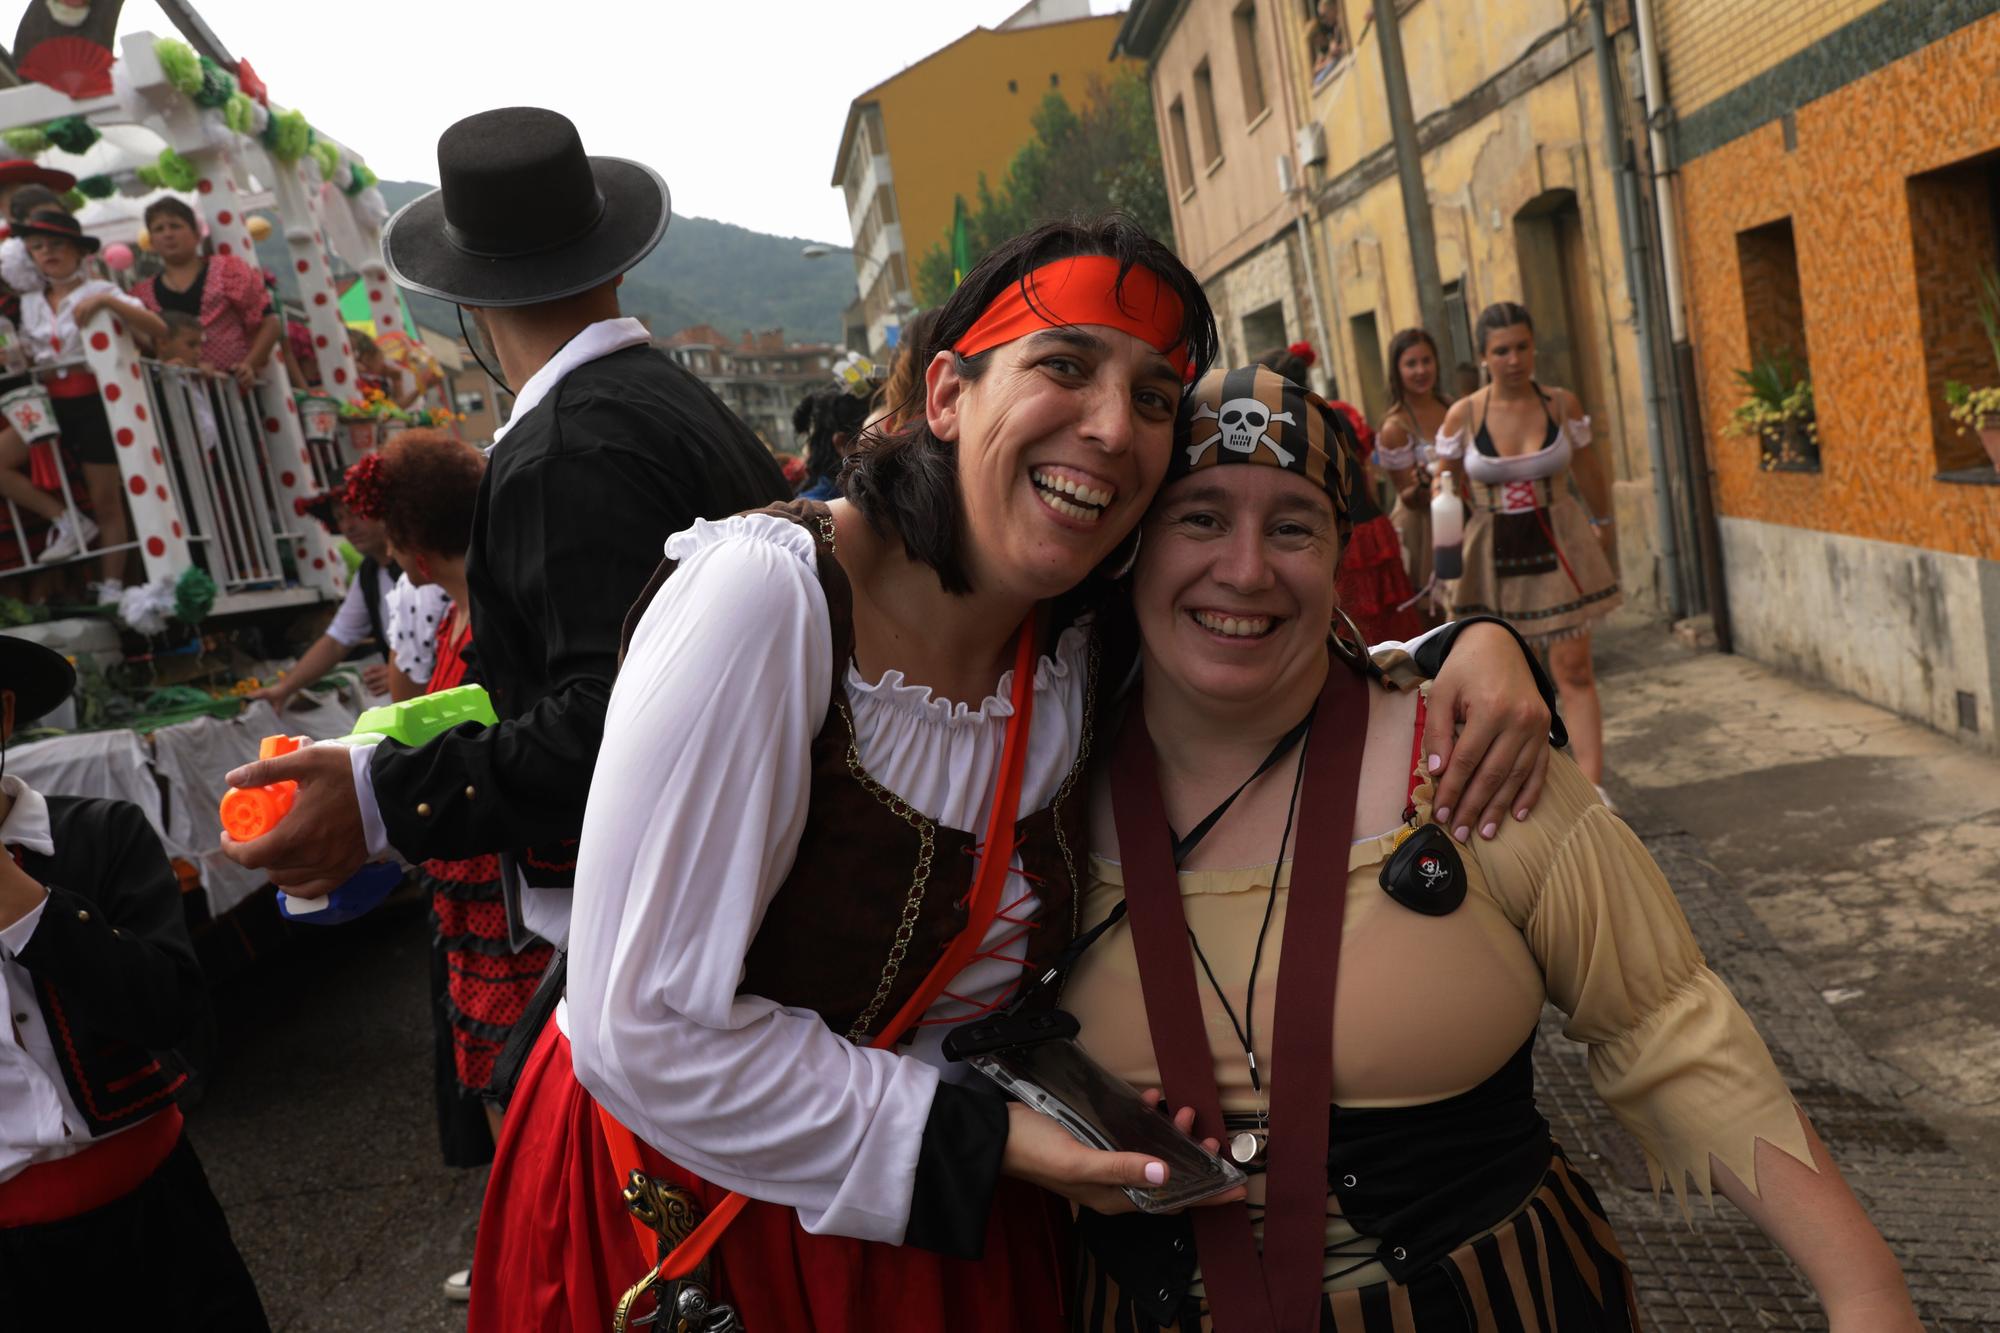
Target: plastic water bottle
point(1447, 530)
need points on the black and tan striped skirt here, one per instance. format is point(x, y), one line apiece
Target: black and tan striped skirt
point(1554, 1266)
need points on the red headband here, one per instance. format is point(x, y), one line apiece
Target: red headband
point(1083, 289)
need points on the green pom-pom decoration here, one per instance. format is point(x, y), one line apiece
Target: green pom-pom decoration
point(180, 64)
point(149, 175)
point(237, 113)
point(194, 595)
point(73, 200)
point(363, 178)
point(72, 134)
point(26, 141)
point(288, 136)
point(218, 85)
point(175, 171)
point(327, 156)
point(97, 187)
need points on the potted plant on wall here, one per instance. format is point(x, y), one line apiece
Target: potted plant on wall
point(1777, 408)
point(1978, 410)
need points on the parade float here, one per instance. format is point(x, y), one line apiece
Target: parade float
point(215, 476)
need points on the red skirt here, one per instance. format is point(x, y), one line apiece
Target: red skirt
point(1372, 583)
point(556, 1248)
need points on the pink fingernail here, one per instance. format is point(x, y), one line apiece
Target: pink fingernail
point(1435, 763)
point(1443, 815)
point(1156, 1173)
point(1462, 833)
point(1521, 815)
point(1489, 830)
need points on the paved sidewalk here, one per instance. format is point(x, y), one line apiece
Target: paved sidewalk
point(1784, 816)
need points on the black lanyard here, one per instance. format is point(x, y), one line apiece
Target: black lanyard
point(1184, 846)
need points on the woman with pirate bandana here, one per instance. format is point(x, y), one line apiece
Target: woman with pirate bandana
point(839, 808)
point(1363, 1046)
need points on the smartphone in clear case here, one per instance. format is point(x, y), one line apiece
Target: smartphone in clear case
point(1036, 1058)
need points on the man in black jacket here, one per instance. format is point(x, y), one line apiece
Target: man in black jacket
point(98, 1183)
point(611, 448)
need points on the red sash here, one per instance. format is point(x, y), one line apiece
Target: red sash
point(1280, 1291)
point(989, 882)
point(106, 1171)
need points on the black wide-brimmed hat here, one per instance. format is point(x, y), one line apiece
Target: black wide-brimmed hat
point(41, 678)
point(522, 215)
point(60, 224)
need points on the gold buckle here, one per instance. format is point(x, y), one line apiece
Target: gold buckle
point(671, 1213)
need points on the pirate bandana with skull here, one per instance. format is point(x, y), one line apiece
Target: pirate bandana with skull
point(1255, 415)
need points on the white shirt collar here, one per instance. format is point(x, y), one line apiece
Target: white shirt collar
point(27, 824)
point(596, 340)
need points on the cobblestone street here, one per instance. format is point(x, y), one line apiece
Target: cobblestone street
point(328, 1051)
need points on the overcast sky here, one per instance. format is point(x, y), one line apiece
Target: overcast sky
point(738, 104)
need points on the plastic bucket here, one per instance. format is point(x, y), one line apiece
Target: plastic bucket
point(29, 412)
point(319, 417)
point(361, 434)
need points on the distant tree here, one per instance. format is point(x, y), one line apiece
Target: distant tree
point(1077, 164)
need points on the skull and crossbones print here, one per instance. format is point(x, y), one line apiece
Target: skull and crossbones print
point(1240, 427)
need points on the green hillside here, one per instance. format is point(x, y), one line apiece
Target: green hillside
point(707, 272)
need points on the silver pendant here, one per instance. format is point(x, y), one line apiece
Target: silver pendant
point(1246, 1147)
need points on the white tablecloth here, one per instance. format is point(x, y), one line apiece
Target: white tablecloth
point(188, 759)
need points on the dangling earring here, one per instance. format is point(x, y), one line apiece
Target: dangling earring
point(1355, 648)
point(1124, 566)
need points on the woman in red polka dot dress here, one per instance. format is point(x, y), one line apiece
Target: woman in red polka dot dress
point(240, 329)
point(423, 486)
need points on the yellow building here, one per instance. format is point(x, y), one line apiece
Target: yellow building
point(1505, 96)
point(915, 142)
point(1837, 167)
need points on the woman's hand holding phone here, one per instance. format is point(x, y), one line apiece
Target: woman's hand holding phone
point(1043, 1153)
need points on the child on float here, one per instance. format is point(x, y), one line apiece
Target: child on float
point(96, 1173)
point(52, 322)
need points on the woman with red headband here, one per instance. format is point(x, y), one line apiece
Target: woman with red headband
point(838, 809)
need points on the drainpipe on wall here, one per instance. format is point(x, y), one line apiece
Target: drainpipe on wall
point(1694, 447)
point(1410, 169)
point(1639, 285)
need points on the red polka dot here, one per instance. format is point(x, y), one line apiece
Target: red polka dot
point(161, 491)
point(158, 457)
point(319, 341)
point(291, 405)
point(118, 328)
point(204, 185)
point(112, 393)
point(340, 375)
point(139, 412)
point(155, 547)
point(138, 485)
point(271, 425)
point(374, 295)
point(100, 341)
point(287, 480)
point(304, 266)
point(318, 563)
point(225, 217)
point(319, 298)
point(134, 368)
point(124, 435)
point(305, 458)
point(177, 527)
point(225, 248)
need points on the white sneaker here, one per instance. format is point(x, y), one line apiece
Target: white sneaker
point(67, 539)
point(108, 592)
point(458, 1287)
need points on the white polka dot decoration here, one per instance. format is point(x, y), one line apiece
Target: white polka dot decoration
point(156, 524)
point(314, 551)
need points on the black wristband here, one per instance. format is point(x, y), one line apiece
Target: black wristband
point(1430, 655)
point(958, 1167)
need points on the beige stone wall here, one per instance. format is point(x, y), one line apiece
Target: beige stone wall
point(1710, 46)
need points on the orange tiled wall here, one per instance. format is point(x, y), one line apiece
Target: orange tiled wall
point(1845, 189)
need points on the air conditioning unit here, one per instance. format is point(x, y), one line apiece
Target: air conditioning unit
point(1286, 181)
point(1312, 144)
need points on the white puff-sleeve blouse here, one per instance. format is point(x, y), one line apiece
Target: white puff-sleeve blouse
point(696, 808)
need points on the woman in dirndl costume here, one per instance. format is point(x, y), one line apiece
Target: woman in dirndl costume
point(1533, 554)
point(1364, 1047)
point(1406, 446)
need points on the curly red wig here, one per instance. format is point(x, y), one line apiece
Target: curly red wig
point(423, 485)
